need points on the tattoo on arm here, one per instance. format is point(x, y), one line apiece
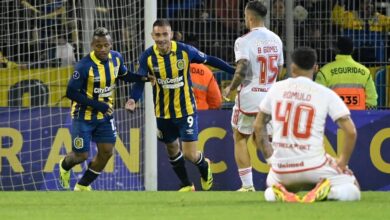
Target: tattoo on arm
point(241, 70)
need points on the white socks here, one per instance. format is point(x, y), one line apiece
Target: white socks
point(246, 177)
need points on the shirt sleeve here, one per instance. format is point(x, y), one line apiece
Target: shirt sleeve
point(336, 107)
point(240, 50)
point(195, 55)
point(122, 66)
point(78, 77)
point(138, 88)
point(280, 61)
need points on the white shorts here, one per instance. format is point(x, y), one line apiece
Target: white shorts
point(306, 180)
point(244, 123)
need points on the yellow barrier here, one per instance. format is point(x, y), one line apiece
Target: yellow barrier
point(55, 79)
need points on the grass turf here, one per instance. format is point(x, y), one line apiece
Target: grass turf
point(173, 205)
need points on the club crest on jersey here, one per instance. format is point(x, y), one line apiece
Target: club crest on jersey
point(76, 75)
point(78, 143)
point(180, 64)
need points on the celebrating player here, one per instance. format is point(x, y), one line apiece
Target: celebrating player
point(297, 108)
point(259, 57)
point(91, 91)
point(175, 108)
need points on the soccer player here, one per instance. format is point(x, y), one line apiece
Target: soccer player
point(175, 107)
point(297, 108)
point(259, 58)
point(91, 90)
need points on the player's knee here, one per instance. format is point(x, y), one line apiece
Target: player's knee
point(105, 155)
point(190, 156)
point(269, 195)
point(345, 192)
point(81, 157)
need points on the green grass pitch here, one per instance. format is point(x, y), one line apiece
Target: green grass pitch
point(174, 205)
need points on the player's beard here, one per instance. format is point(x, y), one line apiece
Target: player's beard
point(163, 47)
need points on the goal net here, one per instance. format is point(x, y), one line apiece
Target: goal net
point(40, 42)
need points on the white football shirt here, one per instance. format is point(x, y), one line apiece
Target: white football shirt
point(264, 51)
point(299, 108)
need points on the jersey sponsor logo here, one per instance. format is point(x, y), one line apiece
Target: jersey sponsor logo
point(180, 64)
point(78, 143)
point(290, 165)
point(256, 89)
point(106, 92)
point(171, 83)
point(96, 79)
point(76, 75)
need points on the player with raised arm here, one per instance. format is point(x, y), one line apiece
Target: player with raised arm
point(297, 108)
point(91, 89)
point(259, 58)
point(175, 107)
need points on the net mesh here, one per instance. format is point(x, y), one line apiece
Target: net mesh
point(40, 43)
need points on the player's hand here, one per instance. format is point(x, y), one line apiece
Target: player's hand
point(149, 78)
point(152, 79)
point(109, 111)
point(342, 167)
point(226, 93)
point(130, 105)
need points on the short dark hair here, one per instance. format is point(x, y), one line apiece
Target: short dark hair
point(304, 57)
point(258, 7)
point(100, 32)
point(161, 22)
point(344, 45)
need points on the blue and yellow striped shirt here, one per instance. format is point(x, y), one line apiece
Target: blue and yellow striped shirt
point(173, 95)
point(96, 80)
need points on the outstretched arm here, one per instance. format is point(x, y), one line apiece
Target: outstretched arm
point(133, 77)
point(220, 64)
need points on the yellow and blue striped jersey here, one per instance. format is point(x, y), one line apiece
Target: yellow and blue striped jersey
point(173, 95)
point(95, 79)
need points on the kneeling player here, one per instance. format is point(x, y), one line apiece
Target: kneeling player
point(297, 108)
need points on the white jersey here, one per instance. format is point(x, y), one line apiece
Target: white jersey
point(264, 50)
point(299, 108)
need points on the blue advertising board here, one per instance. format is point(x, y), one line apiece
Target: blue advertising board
point(33, 140)
point(370, 160)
